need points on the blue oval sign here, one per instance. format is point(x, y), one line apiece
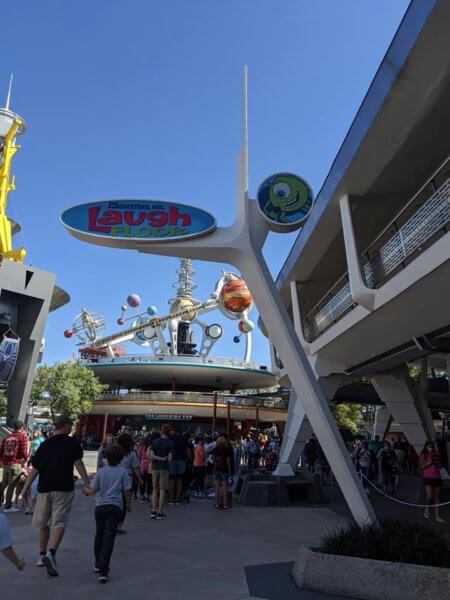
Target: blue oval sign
point(137, 220)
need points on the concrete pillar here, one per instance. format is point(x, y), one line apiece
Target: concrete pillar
point(406, 402)
point(361, 294)
point(298, 428)
point(383, 420)
point(297, 431)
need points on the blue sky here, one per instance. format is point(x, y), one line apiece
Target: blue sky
point(143, 100)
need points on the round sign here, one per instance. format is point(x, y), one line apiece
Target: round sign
point(285, 201)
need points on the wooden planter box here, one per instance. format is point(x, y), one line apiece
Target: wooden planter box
point(366, 579)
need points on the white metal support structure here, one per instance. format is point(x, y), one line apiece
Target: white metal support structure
point(406, 403)
point(361, 294)
point(241, 245)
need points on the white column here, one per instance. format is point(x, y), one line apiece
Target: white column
point(297, 432)
point(361, 294)
point(283, 336)
point(406, 403)
point(383, 420)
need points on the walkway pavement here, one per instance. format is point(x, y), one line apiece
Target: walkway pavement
point(196, 553)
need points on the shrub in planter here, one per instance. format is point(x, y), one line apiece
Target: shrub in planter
point(392, 540)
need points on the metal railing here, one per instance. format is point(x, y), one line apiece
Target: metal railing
point(183, 358)
point(413, 230)
point(195, 397)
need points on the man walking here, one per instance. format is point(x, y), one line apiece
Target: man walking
point(54, 462)
point(161, 455)
point(13, 455)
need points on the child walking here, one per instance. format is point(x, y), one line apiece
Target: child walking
point(6, 544)
point(113, 484)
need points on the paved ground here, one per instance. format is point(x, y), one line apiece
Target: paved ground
point(196, 553)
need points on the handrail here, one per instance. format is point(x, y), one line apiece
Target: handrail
point(320, 305)
point(383, 232)
point(196, 397)
point(407, 205)
point(185, 358)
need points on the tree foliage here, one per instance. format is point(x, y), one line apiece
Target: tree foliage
point(3, 403)
point(66, 388)
point(347, 415)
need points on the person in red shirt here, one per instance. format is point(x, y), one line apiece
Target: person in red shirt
point(13, 455)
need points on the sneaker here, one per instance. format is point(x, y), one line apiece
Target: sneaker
point(142, 500)
point(218, 507)
point(153, 514)
point(161, 516)
point(103, 579)
point(177, 503)
point(226, 507)
point(440, 520)
point(171, 503)
point(40, 562)
point(96, 569)
point(13, 509)
point(50, 564)
point(426, 514)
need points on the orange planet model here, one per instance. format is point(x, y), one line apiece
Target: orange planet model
point(235, 295)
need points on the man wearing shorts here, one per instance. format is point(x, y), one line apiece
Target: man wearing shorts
point(161, 456)
point(54, 461)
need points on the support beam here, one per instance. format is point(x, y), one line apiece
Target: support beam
point(382, 424)
point(406, 403)
point(361, 294)
point(297, 432)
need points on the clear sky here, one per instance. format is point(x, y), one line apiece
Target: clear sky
point(142, 99)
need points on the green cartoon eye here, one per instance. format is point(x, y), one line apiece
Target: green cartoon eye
point(281, 190)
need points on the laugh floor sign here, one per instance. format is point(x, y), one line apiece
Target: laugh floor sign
point(139, 220)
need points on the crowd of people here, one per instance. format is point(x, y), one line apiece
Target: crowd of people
point(163, 467)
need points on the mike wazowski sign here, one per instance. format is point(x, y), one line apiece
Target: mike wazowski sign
point(149, 220)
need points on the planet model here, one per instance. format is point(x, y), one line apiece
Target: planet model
point(182, 304)
point(133, 300)
point(235, 296)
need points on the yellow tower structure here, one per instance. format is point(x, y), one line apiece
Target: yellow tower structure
point(11, 125)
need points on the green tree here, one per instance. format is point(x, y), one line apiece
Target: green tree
point(3, 403)
point(66, 388)
point(347, 415)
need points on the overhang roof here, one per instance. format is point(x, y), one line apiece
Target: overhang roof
point(397, 98)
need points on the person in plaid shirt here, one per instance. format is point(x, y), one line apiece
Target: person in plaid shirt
point(13, 454)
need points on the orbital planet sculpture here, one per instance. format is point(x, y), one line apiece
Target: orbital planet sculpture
point(231, 297)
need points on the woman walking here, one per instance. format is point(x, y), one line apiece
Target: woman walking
point(431, 472)
point(146, 486)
